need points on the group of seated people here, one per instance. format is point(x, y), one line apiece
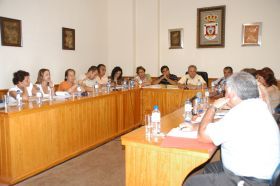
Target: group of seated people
point(248, 135)
point(97, 75)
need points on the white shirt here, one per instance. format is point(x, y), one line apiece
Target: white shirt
point(15, 89)
point(42, 91)
point(191, 81)
point(86, 81)
point(103, 79)
point(249, 139)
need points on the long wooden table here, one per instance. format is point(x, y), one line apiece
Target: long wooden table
point(147, 163)
point(37, 138)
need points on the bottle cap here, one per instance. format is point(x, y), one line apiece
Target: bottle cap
point(155, 107)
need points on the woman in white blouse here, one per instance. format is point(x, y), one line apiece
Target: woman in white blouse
point(44, 82)
point(22, 85)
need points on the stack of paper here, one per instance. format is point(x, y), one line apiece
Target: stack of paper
point(180, 132)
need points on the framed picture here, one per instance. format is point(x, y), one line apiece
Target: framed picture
point(68, 39)
point(211, 27)
point(251, 34)
point(10, 32)
point(175, 38)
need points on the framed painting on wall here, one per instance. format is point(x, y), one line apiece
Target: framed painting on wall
point(175, 38)
point(211, 27)
point(10, 32)
point(251, 34)
point(68, 38)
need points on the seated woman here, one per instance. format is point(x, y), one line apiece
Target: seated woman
point(22, 83)
point(69, 85)
point(116, 76)
point(270, 83)
point(142, 78)
point(262, 90)
point(44, 82)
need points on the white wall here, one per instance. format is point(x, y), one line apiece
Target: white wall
point(129, 33)
point(121, 32)
point(153, 18)
point(181, 13)
point(42, 22)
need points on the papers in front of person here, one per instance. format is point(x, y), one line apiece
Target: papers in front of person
point(62, 94)
point(218, 115)
point(184, 130)
point(153, 86)
point(172, 87)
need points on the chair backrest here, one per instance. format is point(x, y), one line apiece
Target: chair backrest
point(275, 180)
point(203, 74)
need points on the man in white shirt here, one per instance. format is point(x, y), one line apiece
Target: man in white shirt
point(88, 80)
point(102, 79)
point(192, 80)
point(248, 135)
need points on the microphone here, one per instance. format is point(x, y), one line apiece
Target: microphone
point(187, 81)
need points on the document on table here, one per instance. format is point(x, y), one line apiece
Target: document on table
point(153, 86)
point(180, 132)
point(61, 95)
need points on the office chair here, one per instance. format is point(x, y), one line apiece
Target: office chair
point(275, 180)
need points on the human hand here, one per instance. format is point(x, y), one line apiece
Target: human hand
point(219, 103)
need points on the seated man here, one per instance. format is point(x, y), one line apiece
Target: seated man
point(88, 80)
point(101, 78)
point(166, 78)
point(221, 81)
point(248, 135)
point(192, 79)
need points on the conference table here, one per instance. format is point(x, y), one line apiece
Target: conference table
point(36, 137)
point(150, 164)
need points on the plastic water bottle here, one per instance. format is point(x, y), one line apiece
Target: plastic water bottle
point(79, 89)
point(19, 98)
point(156, 120)
point(205, 100)
point(206, 94)
point(124, 85)
point(195, 106)
point(7, 98)
point(132, 83)
point(188, 111)
point(108, 86)
point(212, 87)
point(219, 89)
point(39, 96)
point(96, 87)
point(50, 94)
point(140, 83)
point(199, 84)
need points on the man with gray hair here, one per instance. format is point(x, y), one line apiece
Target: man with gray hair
point(248, 135)
point(192, 80)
